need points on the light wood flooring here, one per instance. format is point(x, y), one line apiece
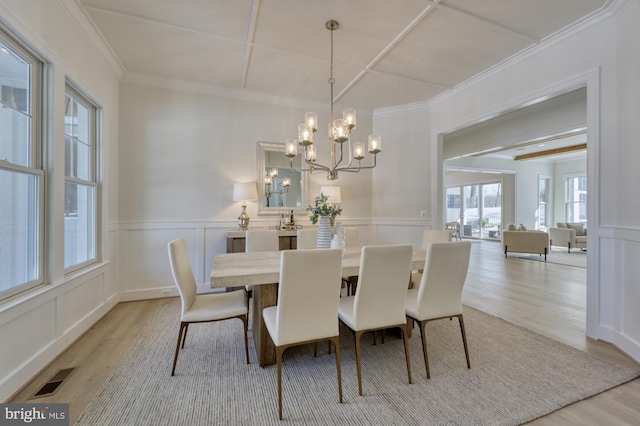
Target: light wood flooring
point(544, 297)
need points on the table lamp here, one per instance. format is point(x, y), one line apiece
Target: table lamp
point(244, 191)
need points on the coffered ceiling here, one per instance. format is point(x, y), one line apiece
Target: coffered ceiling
point(387, 53)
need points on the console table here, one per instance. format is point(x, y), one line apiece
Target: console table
point(236, 240)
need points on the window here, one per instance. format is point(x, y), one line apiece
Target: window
point(21, 173)
point(478, 208)
point(576, 199)
point(544, 186)
point(80, 181)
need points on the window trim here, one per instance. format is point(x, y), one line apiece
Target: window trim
point(567, 202)
point(94, 125)
point(37, 117)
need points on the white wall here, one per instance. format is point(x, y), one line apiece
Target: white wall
point(180, 153)
point(402, 179)
point(606, 59)
point(36, 327)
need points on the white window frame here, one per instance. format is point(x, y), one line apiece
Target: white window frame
point(92, 181)
point(548, 203)
point(35, 160)
point(568, 202)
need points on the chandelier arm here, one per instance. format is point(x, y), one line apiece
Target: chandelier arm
point(316, 166)
point(359, 167)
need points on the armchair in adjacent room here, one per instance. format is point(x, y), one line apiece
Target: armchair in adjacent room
point(569, 235)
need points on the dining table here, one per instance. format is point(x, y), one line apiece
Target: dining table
point(261, 270)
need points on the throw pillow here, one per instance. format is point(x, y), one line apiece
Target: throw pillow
point(561, 225)
point(578, 228)
point(522, 228)
point(511, 227)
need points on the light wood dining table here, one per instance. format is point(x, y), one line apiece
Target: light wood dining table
point(262, 271)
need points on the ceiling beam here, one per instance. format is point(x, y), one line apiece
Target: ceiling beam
point(388, 48)
point(532, 142)
point(248, 50)
point(547, 153)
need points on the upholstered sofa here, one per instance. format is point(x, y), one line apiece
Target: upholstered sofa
point(569, 235)
point(536, 242)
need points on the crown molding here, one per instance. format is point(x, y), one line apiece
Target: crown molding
point(90, 31)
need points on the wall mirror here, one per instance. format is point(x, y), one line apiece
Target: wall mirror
point(279, 187)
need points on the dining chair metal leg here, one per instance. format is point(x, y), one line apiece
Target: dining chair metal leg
point(181, 332)
point(405, 332)
point(423, 334)
point(357, 336)
point(279, 352)
point(184, 336)
point(315, 348)
point(336, 343)
point(245, 320)
point(464, 340)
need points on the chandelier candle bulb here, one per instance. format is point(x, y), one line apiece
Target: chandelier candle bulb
point(291, 148)
point(358, 151)
point(311, 153)
point(340, 131)
point(375, 144)
point(349, 117)
point(311, 120)
point(305, 134)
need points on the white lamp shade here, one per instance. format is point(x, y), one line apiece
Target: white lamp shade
point(245, 191)
point(333, 192)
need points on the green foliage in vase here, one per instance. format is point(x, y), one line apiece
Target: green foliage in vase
point(322, 208)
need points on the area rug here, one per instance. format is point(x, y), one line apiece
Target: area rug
point(516, 375)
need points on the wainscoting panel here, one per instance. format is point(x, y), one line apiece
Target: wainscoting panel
point(631, 294)
point(19, 346)
point(400, 231)
point(78, 302)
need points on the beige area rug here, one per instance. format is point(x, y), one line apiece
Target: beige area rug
point(576, 258)
point(516, 376)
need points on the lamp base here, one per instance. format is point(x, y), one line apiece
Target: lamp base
point(243, 219)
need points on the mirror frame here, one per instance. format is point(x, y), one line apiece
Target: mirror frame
point(263, 147)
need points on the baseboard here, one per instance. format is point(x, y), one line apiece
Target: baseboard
point(149, 293)
point(627, 345)
point(22, 375)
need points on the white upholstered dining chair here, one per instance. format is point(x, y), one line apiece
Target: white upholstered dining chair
point(439, 295)
point(307, 309)
point(430, 236)
point(306, 238)
point(351, 239)
point(197, 308)
point(380, 296)
point(262, 240)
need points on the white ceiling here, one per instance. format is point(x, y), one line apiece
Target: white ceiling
point(387, 53)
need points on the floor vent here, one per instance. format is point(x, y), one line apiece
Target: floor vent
point(54, 383)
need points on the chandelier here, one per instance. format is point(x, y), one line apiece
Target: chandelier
point(339, 134)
